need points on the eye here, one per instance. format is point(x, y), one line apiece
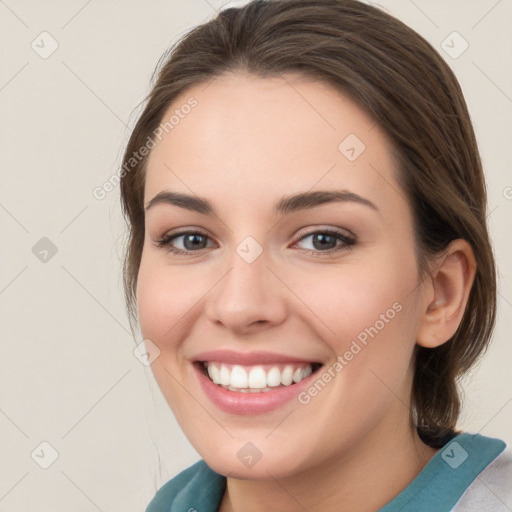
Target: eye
point(322, 242)
point(191, 242)
point(326, 241)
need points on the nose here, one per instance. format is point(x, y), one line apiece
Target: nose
point(248, 298)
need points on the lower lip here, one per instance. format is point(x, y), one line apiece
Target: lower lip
point(237, 402)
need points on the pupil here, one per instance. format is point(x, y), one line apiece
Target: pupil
point(193, 241)
point(324, 241)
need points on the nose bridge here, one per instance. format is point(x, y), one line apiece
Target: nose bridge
point(248, 293)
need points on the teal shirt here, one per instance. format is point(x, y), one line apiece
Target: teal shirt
point(437, 488)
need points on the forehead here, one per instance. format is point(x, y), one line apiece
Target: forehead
point(248, 137)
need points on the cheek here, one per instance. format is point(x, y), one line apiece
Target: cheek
point(366, 313)
point(165, 310)
point(368, 319)
point(152, 302)
point(348, 300)
point(165, 301)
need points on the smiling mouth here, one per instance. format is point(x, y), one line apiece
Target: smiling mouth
point(256, 378)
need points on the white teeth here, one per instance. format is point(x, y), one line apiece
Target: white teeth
point(256, 378)
point(287, 376)
point(225, 375)
point(214, 373)
point(306, 372)
point(273, 377)
point(239, 377)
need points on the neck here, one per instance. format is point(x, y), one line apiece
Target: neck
point(365, 477)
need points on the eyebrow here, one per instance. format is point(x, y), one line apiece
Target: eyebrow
point(287, 204)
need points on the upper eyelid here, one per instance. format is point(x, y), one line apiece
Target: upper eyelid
point(300, 234)
point(335, 230)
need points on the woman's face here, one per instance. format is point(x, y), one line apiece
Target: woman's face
point(300, 254)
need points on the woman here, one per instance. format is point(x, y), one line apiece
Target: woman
point(309, 257)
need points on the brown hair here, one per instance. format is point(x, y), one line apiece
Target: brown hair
point(394, 75)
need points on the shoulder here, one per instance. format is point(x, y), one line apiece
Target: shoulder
point(197, 487)
point(492, 489)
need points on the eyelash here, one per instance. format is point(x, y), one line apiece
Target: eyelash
point(348, 242)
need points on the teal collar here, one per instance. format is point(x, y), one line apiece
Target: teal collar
point(448, 474)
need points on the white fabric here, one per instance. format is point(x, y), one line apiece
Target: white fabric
point(491, 490)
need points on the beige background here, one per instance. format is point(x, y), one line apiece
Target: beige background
point(68, 374)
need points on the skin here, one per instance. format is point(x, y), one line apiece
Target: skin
point(249, 142)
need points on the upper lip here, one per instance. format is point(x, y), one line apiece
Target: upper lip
point(247, 358)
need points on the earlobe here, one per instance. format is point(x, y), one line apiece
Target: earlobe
point(446, 294)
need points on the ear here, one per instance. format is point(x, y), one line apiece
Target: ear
point(446, 294)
